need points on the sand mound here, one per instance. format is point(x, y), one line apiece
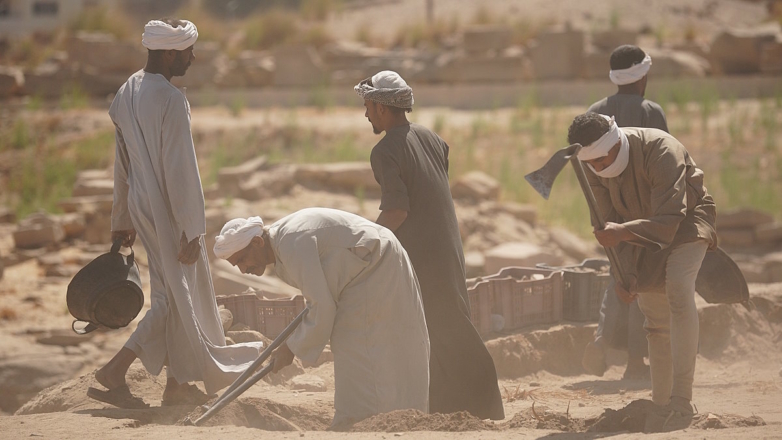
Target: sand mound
point(71, 395)
point(266, 415)
point(542, 418)
point(644, 416)
point(414, 420)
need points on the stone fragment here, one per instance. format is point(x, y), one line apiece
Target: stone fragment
point(226, 318)
point(99, 187)
point(519, 254)
point(769, 232)
point(245, 336)
point(308, 382)
point(743, 218)
point(738, 237)
point(36, 231)
point(230, 178)
point(739, 50)
point(476, 185)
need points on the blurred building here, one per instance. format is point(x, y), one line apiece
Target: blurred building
point(20, 18)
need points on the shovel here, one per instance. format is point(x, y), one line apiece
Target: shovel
point(248, 379)
point(543, 179)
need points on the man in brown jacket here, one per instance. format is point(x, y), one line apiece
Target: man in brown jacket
point(662, 220)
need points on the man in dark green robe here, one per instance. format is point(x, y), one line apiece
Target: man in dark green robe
point(411, 165)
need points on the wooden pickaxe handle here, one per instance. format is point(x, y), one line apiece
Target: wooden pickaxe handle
point(613, 257)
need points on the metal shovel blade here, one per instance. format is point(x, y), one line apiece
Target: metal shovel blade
point(543, 179)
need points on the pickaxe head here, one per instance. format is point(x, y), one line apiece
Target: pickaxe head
point(543, 179)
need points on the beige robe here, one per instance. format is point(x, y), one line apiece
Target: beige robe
point(157, 192)
point(364, 297)
point(661, 199)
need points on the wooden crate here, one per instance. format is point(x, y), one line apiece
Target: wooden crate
point(520, 302)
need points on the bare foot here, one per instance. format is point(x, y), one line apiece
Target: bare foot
point(106, 379)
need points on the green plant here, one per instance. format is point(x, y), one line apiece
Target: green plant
point(270, 29)
point(73, 96)
point(237, 105)
point(100, 19)
point(614, 18)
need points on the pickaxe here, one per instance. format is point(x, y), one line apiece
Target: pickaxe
point(543, 179)
point(248, 379)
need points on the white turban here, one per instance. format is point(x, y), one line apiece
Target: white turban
point(631, 74)
point(387, 88)
point(236, 235)
point(159, 35)
point(603, 146)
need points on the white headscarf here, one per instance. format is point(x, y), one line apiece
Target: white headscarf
point(236, 235)
point(602, 147)
point(632, 74)
point(159, 35)
point(387, 88)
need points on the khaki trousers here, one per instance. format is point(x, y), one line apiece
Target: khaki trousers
point(672, 324)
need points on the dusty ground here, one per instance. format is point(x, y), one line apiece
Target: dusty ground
point(737, 378)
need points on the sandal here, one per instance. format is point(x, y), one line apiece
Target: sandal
point(120, 397)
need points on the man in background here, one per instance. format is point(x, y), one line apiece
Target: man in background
point(411, 165)
point(621, 325)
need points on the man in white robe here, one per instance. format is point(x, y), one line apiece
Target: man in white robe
point(363, 296)
point(158, 194)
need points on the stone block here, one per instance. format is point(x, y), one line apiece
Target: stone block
point(229, 178)
point(771, 57)
point(102, 203)
point(340, 176)
point(98, 227)
point(11, 81)
point(736, 51)
point(308, 382)
point(607, 41)
point(673, 63)
point(773, 267)
point(736, 237)
point(102, 52)
point(753, 271)
point(571, 244)
point(299, 66)
point(6, 215)
point(226, 318)
point(596, 64)
point(768, 232)
point(484, 38)
point(461, 68)
point(474, 263)
point(525, 213)
point(476, 185)
point(37, 235)
point(519, 254)
point(73, 224)
point(742, 218)
point(101, 187)
point(558, 54)
point(268, 184)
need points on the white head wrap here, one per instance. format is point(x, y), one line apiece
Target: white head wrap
point(631, 74)
point(602, 147)
point(159, 35)
point(387, 88)
point(236, 235)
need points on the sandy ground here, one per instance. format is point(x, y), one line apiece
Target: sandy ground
point(737, 373)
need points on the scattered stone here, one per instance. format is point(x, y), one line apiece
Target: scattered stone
point(476, 185)
point(557, 54)
point(73, 224)
point(97, 187)
point(526, 213)
point(769, 232)
point(267, 184)
point(743, 218)
point(102, 203)
point(308, 382)
point(571, 244)
point(738, 237)
point(230, 178)
point(299, 66)
point(245, 336)
point(339, 176)
point(63, 338)
point(36, 231)
point(6, 215)
point(226, 318)
point(518, 254)
point(736, 51)
point(773, 267)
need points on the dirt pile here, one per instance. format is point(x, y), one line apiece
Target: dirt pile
point(71, 395)
point(266, 415)
point(644, 416)
point(413, 420)
point(543, 418)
